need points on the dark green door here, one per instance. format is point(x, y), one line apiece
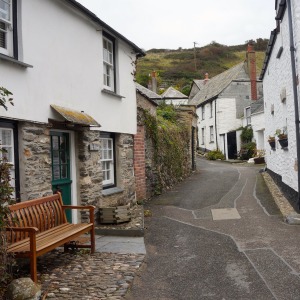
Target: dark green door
point(61, 177)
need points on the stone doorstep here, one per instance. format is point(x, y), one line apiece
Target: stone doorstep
point(290, 216)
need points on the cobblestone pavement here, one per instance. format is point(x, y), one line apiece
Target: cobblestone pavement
point(84, 276)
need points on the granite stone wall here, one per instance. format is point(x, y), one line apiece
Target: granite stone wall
point(35, 161)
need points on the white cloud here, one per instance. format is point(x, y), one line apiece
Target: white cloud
point(165, 24)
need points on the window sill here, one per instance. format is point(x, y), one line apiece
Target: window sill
point(112, 191)
point(112, 93)
point(212, 142)
point(15, 61)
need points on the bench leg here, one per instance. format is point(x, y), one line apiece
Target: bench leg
point(92, 234)
point(33, 267)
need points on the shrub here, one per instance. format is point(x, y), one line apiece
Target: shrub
point(248, 150)
point(214, 155)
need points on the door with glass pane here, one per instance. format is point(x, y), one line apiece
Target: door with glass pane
point(7, 152)
point(61, 177)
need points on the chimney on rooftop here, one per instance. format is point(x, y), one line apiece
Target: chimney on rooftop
point(251, 66)
point(206, 78)
point(152, 85)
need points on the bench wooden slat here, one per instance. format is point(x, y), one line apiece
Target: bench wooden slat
point(40, 225)
point(44, 241)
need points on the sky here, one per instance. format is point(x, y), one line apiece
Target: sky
point(172, 24)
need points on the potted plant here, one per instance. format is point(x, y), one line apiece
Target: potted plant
point(259, 157)
point(282, 138)
point(271, 141)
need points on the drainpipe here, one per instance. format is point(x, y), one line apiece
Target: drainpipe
point(296, 104)
point(216, 124)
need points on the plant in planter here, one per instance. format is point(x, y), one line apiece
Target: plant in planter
point(282, 138)
point(259, 157)
point(271, 141)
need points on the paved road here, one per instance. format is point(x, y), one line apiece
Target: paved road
point(218, 235)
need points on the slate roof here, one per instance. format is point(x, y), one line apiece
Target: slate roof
point(150, 95)
point(257, 106)
point(199, 82)
point(216, 85)
point(172, 93)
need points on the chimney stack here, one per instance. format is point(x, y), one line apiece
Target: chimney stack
point(206, 78)
point(152, 82)
point(251, 65)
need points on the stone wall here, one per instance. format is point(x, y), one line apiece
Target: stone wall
point(35, 161)
point(89, 168)
point(124, 193)
point(139, 163)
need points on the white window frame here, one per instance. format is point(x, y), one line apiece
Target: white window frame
point(211, 134)
point(107, 161)
point(211, 109)
point(11, 161)
point(203, 113)
point(248, 115)
point(108, 64)
point(8, 28)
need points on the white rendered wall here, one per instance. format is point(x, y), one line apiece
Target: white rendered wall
point(65, 50)
point(278, 76)
point(226, 115)
point(206, 123)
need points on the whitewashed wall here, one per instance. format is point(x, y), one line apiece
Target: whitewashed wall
point(65, 49)
point(206, 123)
point(226, 115)
point(278, 76)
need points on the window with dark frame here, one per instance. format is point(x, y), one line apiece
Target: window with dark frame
point(5, 26)
point(211, 133)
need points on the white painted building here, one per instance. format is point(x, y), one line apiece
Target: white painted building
point(221, 102)
point(69, 73)
point(281, 93)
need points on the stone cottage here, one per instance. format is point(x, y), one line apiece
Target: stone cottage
point(72, 126)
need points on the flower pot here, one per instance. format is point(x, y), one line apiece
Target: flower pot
point(283, 142)
point(259, 160)
point(272, 144)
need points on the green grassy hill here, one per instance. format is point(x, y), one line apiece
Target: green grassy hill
point(179, 67)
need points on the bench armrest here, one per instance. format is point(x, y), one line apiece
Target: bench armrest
point(91, 208)
point(23, 229)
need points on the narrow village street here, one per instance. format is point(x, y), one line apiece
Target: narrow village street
point(218, 235)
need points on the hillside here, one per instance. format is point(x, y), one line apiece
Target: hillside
point(179, 67)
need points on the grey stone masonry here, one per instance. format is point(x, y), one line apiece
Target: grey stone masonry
point(125, 179)
point(35, 160)
point(90, 174)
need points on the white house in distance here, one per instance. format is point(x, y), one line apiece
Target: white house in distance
point(222, 102)
point(281, 94)
point(74, 116)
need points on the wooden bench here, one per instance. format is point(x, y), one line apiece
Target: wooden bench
point(40, 225)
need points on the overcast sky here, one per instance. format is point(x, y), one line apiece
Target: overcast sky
point(172, 24)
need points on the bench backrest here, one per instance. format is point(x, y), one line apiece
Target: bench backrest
point(43, 213)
